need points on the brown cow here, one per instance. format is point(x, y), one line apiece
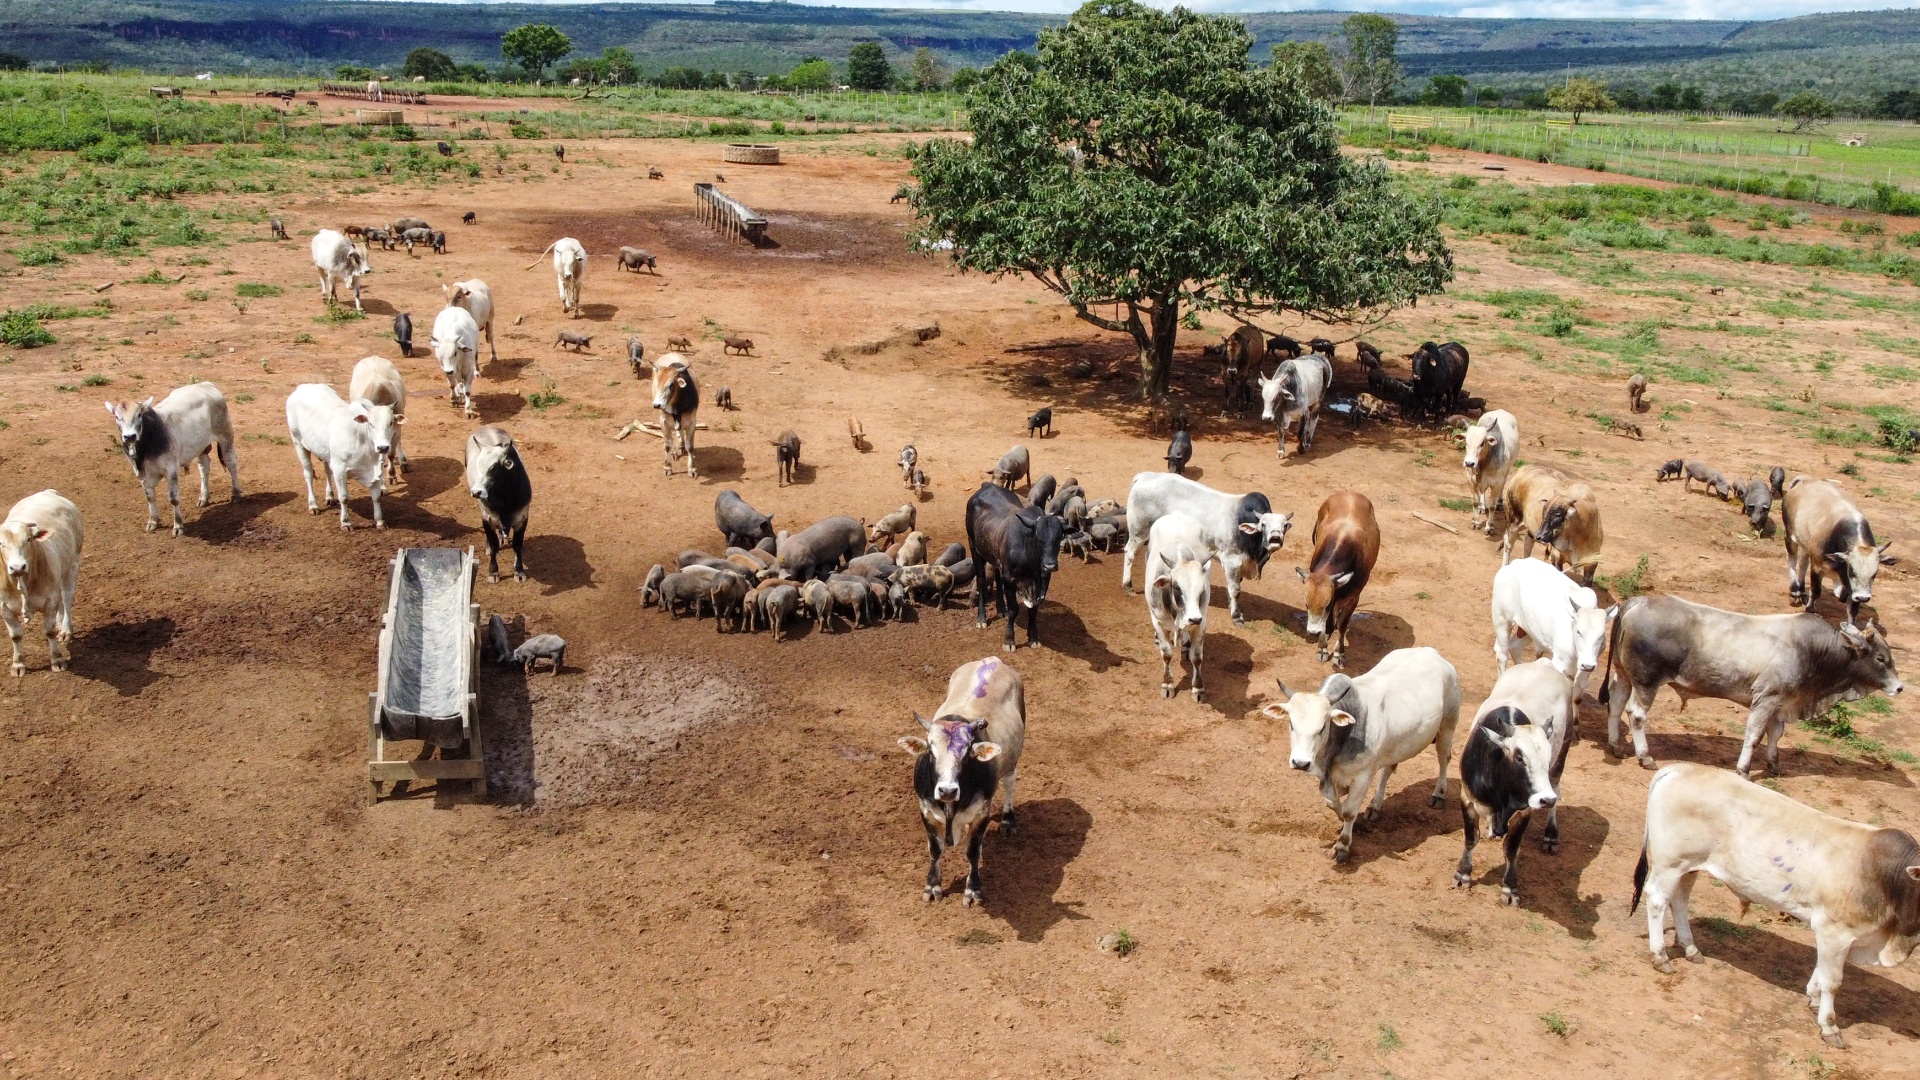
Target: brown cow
point(1547, 506)
point(1244, 350)
point(1346, 541)
point(678, 400)
point(1823, 526)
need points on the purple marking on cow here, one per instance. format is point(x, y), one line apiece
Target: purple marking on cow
point(982, 674)
point(959, 738)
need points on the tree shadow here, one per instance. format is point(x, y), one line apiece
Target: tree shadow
point(719, 464)
point(1025, 870)
point(506, 727)
point(599, 312)
point(223, 522)
point(120, 654)
point(559, 563)
point(1864, 997)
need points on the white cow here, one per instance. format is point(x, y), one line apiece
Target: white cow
point(569, 266)
point(1492, 442)
point(1179, 586)
point(352, 438)
point(185, 426)
point(377, 380)
point(1242, 531)
point(1293, 396)
point(478, 300)
point(1564, 620)
point(1857, 886)
point(40, 542)
point(1354, 729)
point(338, 260)
point(456, 344)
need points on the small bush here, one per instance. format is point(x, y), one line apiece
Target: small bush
point(1699, 227)
point(1555, 1022)
point(95, 379)
point(1629, 584)
point(152, 277)
point(1897, 436)
point(1461, 505)
point(340, 313)
point(45, 255)
point(1463, 183)
point(198, 294)
point(255, 289)
point(22, 330)
point(546, 397)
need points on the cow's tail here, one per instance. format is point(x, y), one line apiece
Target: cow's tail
point(1613, 652)
point(1639, 877)
point(542, 255)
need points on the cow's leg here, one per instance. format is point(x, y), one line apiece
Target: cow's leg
point(356, 295)
point(173, 500)
point(1006, 806)
point(686, 443)
point(519, 565)
point(1009, 611)
point(1343, 620)
point(1796, 572)
point(1232, 567)
point(1196, 660)
point(493, 354)
point(974, 893)
point(1637, 723)
point(933, 890)
point(306, 472)
point(1480, 516)
point(148, 484)
point(374, 491)
point(1506, 545)
point(1033, 626)
point(206, 471)
point(1309, 424)
point(980, 597)
point(1442, 749)
point(1380, 794)
point(50, 626)
point(1659, 886)
point(1774, 731)
point(338, 477)
point(1759, 720)
point(1348, 809)
point(1463, 873)
point(1510, 884)
point(1550, 836)
point(1126, 563)
point(1677, 896)
point(493, 548)
point(1166, 660)
point(1832, 944)
point(15, 628)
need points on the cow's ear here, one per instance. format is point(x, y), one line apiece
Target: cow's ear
point(37, 532)
point(399, 418)
point(1837, 558)
point(1276, 711)
point(1249, 528)
point(1163, 581)
point(1301, 572)
point(1613, 612)
point(1340, 580)
point(1340, 718)
point(913, 745)
point(1913, 872)
point(986, 751)
point(148, 404)
point(359, 418)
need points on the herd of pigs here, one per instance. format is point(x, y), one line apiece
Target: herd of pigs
point(1856, 885)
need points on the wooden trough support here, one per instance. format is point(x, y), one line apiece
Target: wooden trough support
point(383, 93)
point(729, 215)
point(429, 679)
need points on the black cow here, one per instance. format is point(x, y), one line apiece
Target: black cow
point(1439, 373)
point(1016, 547)
point(403, 333)
point(496, 477)
point(1179, 452)
point(742, 525)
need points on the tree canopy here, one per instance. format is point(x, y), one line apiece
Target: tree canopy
point(927, 74)
point(1579, 95)
point(1315, 65)
point(430, 64)
point(1370, 70)
point(1806, 109)
point(811, 74)
point(534, 46)
point(867, 67)
point(1144, 164)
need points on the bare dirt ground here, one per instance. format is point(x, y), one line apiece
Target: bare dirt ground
point(704, 858)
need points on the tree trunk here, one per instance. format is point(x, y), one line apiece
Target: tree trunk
point(1155, 341)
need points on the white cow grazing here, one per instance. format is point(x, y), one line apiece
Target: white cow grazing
point(1857, 886)
point(1179, 586)
point(352, 438)
point(1293, 396)
point(1356, 728)
point(338, 260)
point(1492, 442)
point(40, 542)
point(187, 425)
point(456, 344)
point(478, 300)
point(377, 381)
point(1564, 620)
point(569, 266)
point(1242, 531)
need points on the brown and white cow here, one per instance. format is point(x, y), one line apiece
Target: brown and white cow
point(678, 400)
point(1826, 532)
point(1782, 667)
point(1346, 541)
point(1547, 506)
point(40, 544)
point(972, 746)
point(1857, 886)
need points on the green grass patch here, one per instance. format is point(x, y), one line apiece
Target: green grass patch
point(22, 330)
point(1627, 583)
point(1725, 927)
point(340, 313)
point(546, 397)
point(95, 379)
point(256, 289)
point(1462, 505)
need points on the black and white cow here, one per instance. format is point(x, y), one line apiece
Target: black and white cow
point(1511, 765)
point(971, 749)
point(497, 478)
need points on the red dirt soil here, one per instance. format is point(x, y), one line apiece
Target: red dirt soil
point(703, 857)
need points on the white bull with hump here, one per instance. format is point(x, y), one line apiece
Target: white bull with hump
point(40, 543)
point(1242, 531)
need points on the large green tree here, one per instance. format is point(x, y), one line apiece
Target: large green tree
point(1806, 109)
point(430, 64)
point(867, 67)
point(1315, 65)
point(534, 46)
point(1144, 167)
point(1370, 69)
point(1578, 95)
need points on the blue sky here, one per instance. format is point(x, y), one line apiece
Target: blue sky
point(1537, 9)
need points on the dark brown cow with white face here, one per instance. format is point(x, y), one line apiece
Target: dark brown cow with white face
point(1346, 541)
point(1826, 533)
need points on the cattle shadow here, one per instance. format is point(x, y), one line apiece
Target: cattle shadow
point(558, 562)
point(803, 473)
point(1864, 997)
point(1723, 751)
point(505, 368)
point(374, 306)
point(720, 464)
point(1548, 883)
point(1026, 869)
point(1406, 820)
point(407, 513)
point(599, 312)
point(223, 522)
point(1066, 633)
point(506, 727)
point(120, 654)
point(1228, 667)
point(498, 408)
point(429, 476)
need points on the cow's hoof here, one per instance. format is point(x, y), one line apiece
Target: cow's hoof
point(519, 575)
point(346, 526)
point(975, 898)
point(1372, 814)
point(1509, 897)
point(154, 526)
point(1693, 955)
point(1462, 881)
point(312, 508)
point(1239, 621)
point(1551, 847)
point(1007, 823)
point(1339, 659)
point(1834, 1039)
point(1166, 690)
point(179, 530)
point(59, 665)
point(1341, 854)
point(931, 892)
point(1647, 763)
point(1009, 648)
point(493, 579)
point(1320, 655)
point(1663, 965)
point(19, 670)
point(1199, 694)
point(1615, 750)
point(204, 501)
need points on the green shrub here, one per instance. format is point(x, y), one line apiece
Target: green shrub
point(255, 289)
point(22, 330)
point(45, 255)
point(1700, 227)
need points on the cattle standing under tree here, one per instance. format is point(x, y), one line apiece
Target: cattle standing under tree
point(1356, 729)
point(40, 543)
point(1243, 350)
point(1783, 668)
point(1346, 541)
point(972, 746)
point(1017, 548)
point(678, 400)
point(497, 479)
point(1293, 397)
point(1510, 766)
point(1857, 886)
point(188, 424)
point(1826, 532)
point(1439, 376)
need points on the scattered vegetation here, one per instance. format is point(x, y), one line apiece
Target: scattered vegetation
point(256, 290)
point(1461, 505)
point(22, 330)
point(1628, 583)
point(546, 397)
point(1389, 1039)
point(1556, 1023)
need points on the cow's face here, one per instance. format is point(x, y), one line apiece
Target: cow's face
point(1184, 585)
point(1856, 568)
point(1275, 390)
point(457, 295)
point(1525, 745)
point(380, 422)
point(130, 420)
point(1311, 723)
point(1481, 443)
point(951, 742)
point(356, 263)
point(15, 539)
point(1271, 529)
point(480, 469)
point(1872, 665)
point(1589, 628)
point(668, 384)
point(1553, 519)
point(1320, 592)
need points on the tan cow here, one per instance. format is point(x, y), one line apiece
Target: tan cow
point(1857, 886)
point(1346, 542)
point(1490, 444)
point(40, 543)
point(1826, 532)
point(1547, 506)
point(983, 721)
